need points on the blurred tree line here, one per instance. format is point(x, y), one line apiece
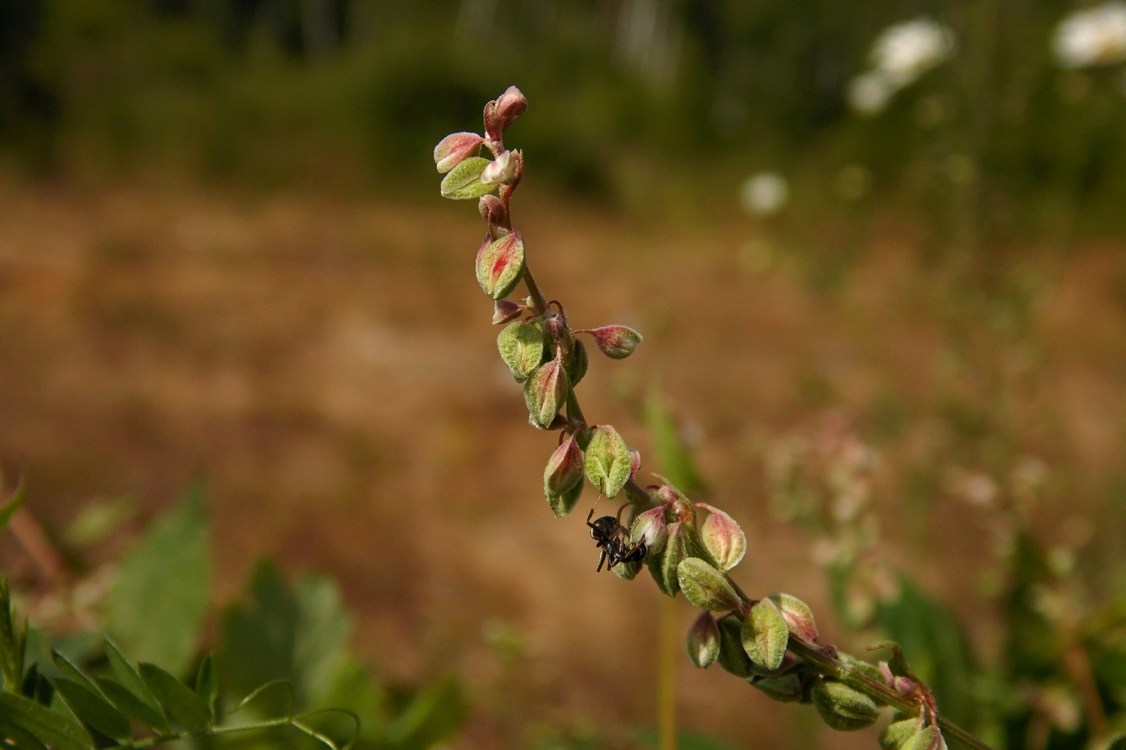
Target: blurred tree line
point(275, 91)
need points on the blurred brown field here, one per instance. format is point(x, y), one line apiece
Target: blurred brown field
point(328, 366)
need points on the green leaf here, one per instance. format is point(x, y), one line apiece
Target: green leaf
point(463, 182)
point(156, 608)
point(207, 683)
point(55, 729)
point(16, 736)
point(669, 451)
point(93, 709)
point(71, 672)
point(178, 701)
point(13, 642)
point(141, 703)
point(130, 704)
point(432, 716)
point(765, 635)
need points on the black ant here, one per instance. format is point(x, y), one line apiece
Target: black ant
point(613, 539)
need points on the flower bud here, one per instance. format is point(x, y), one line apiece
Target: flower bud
point(544, 393)
point(732, 657)
point(505, 310)
point(511, 104)
point(607, 460)
point(521, 346)
point(463, 182)
point(843, 707)
point(765, 636)
point(722, 537)
point(704, 586)
point(702, 641)
point(650, 527)
point(501, 170)
point(615, 341)
point(500, 264)
point(564, 469)
point(454, 149)
point(492, 210)
point(798, 616)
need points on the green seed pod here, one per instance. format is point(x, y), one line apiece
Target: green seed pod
point(663, 565)
point(786, 688)
point(850, 663)
point(732, 657)
point(842, 707)
point(544, 393)
point(463, 181)
point(896, 735)
point(607, 460)
point(627, 570)
point(521, 346)
point(576, 364)
point(706, 587)
point(798, 616)
point(722, 537)
point(765, 636)
point(565, 502)
point(564, 469)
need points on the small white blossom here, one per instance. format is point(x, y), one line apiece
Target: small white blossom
point(764, 193)
point(1096, 36)
point(905, 51)
point(870, 92)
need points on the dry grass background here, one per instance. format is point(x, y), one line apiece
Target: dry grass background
point(329, 367)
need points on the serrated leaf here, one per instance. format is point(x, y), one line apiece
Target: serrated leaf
point(156, 608)
point(55, 729)
point(144, 705)
point(500, 265)
point(765, 635)
point(176, 699)
point(130, 704)
point(607, 460)
point(463, 182)
point(93, 709)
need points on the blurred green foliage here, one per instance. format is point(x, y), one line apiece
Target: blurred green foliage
point(642, 102)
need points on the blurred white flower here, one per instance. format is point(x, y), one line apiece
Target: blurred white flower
point(906, 50)
point(900, 55)
point(1096, 36)
point(870, 92)
point(764, 193)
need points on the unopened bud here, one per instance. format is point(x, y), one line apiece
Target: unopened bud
point(511, 104)
point(722, 537)
point(544, 393)
point(463, 182)
point(798, 616)
point(843, 707)
point(615, 341)
point(704, 586)
point(505, 310)
point(650, 527)
point(501, 170)
point(454, 149)
point(765, 636)
point(500, 264)
point(607, 460)
point(702, 641)
point(521, 346)
point(492, 210)
point(564, 469)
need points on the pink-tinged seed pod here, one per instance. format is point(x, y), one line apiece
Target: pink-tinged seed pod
point(492, 210)
point(650, 527)
point(798, 616)
point(615, 341)
point(723, 538)
point(702, 641)
point(634, 454)
point(505, 311)
point(564, 469)
point(454, 149)
point(544, 393)
point(500, 264)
